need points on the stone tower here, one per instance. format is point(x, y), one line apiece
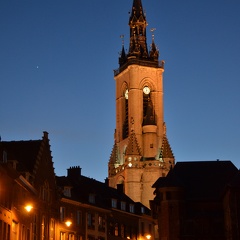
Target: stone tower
point(141, 152)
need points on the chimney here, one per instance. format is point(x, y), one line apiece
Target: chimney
point(45, 134)
point(120, 188)
point(107, 181)
point(74, 172)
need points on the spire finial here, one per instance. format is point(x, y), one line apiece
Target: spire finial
point(122, 37)
point(152, 31)
point(154, 53)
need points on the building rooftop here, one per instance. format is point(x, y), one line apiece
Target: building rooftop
point(200, 179)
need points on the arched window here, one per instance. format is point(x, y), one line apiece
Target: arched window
point(148, 110)
point(125, 131)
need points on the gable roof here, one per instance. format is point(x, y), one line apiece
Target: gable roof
point(32, 156)
point(201, 180)
point(82, 187)
point(23, 152)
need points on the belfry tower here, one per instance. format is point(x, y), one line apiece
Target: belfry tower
point(141, 152)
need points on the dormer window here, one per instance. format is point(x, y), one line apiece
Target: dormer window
point(123, 206)
point(114, 203)
point(131, 208)
point(67, 191)
point(142, 210)
point(4, 156)
point(91, 198)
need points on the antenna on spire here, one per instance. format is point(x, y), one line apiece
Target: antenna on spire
point(152, 31)
point(122, 37)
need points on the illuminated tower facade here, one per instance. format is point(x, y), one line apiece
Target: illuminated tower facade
point(141, 151)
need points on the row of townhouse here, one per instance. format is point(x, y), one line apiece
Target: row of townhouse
point(35, 204)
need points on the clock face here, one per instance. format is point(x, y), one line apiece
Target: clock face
point(126, 94)
point(146, 90)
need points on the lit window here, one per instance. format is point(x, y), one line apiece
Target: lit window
point(101, 223)
point(52, 229)
point(116, 229)
point(71, 236)
point(14, 229)
point(44, 227)
point(62, 236)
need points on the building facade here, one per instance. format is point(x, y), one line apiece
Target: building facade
point(141, 151)
point(198, 200)
point(37, 205)
point(98, 211)
point(28, 191)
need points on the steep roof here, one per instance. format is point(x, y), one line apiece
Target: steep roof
point(32, 156)
point(22, 151)
point(133, 147)
point(235, 182)
point(82, 187)
point(201, 180)
point(114, 154)
point(166, 151)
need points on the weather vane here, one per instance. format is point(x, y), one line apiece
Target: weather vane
point(122, 37)
point(152, 30)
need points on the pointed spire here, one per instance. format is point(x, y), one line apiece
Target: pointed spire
point(166, 151)
point(138, 48)
point(137, 11)
point(154, 53)
point(133, 146)
point(122, 58)
point(114, 154)
point(138, 24)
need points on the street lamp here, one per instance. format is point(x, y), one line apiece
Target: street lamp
point(68, 223)
point(28, 207)
point(148, 236)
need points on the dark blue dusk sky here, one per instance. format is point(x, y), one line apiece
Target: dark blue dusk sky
point(56, 73)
